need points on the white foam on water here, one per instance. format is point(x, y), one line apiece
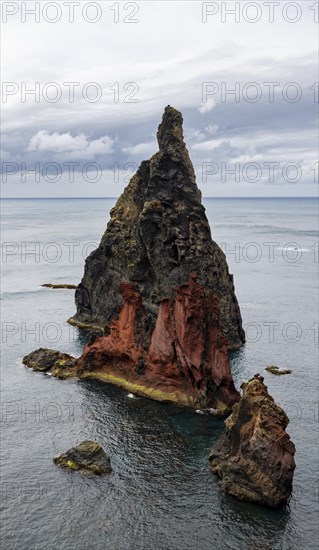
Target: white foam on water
point(293, 248)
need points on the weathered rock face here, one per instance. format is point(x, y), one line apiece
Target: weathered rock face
point(254, 458)
point(160, 290)
point(186, 360)
point(88, 455)
point(157, 236)
point(159, 287)
point(51, 361)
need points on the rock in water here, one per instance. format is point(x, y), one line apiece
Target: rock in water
point(254, 458)
point(275, 370)
point(88, 455)
point(59, 286)
point(160, 288)
point(51, 361)
point(157, 236)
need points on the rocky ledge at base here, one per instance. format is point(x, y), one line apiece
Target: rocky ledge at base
point(60, 285)
point(159, 289)
point(88, 455)
point(254, 458)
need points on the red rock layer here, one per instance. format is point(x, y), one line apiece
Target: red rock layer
point(186, 360)
point(254, 458)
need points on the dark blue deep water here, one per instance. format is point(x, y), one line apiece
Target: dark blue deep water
point(161, 493)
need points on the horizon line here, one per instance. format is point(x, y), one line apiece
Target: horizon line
point(104, 197)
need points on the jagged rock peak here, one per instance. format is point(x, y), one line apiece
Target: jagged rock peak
point(158, 291)
point(170, 131)
point(172, 149)
point(157, 236)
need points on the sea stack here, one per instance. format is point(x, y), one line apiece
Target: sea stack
point(157, 290)
point(254, 457)
point(157, 236)
point(159, 287)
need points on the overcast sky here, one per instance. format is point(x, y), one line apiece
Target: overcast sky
point(104, 131)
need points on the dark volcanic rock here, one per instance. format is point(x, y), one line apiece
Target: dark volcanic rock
point(62, 285)
point(88, 455)
point(254, 458)
point(51, 361)
point(159, 290)
point(157, 236)
point(159, 287)
point(275, 370)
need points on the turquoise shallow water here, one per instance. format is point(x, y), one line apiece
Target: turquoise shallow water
point(161, 493)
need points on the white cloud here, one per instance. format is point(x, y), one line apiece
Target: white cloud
point(197, 135)
point(230, 53)
point(211, 129)
point(200, 135)
point(141, 149)
point(68, 146)
point(208, 106)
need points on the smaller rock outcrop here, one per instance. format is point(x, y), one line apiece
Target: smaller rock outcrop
point(50, 361)
point(254, 458)
point(88, 455)
point(62, 285)
point(278, 372)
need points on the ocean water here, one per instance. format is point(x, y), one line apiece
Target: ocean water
point(161, 493)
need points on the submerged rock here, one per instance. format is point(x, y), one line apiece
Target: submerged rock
point(88, 455)
point(254, 458)
point(275, 370)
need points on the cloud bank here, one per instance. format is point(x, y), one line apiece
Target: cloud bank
point(87, 92)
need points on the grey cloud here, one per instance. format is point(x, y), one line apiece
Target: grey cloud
point(170, 72)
